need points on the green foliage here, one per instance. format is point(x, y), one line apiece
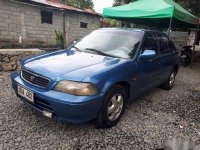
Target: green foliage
point(121, 2)
point(111, 23)
point(84, 4)
point(59, 37)
point(191, 5)
point(115, 23)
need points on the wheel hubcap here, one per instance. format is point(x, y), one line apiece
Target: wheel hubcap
point(115, 107)
point(172, 79)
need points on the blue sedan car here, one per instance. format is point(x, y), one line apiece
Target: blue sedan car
point(98, 75)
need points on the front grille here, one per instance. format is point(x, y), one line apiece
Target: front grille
point(39, 104)
point(34, 78)
point(43, 105)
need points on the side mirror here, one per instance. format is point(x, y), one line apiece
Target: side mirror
point(74, 42)
point(148, 54)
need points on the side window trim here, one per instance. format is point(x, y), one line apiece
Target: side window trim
point(173, 49)
point(165, 41)
point(157, 43)
point(157, 37)
point(145, 37)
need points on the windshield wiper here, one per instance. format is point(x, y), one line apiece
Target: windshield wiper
point(98, 52)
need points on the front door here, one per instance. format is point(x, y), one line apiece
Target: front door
point(148, 70)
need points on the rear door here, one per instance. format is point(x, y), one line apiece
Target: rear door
point(168, 51)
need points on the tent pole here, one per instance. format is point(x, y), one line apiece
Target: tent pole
point(170, 26)
point(194, 45)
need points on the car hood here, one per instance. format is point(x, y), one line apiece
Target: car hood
point(71, 66)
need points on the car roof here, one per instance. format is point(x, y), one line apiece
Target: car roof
point(133, 29)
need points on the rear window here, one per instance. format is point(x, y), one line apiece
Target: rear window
point(171, 46)
point(150, 43)
point(165, 44)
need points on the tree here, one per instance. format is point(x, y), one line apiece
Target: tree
point(191, 5)
point(84, 4)
point(121, 2)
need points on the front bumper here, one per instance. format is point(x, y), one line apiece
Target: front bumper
point(64, 107)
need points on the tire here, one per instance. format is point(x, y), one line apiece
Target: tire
point(170, 81)
point(188, 60)
point(115, 102)
point(183, 62)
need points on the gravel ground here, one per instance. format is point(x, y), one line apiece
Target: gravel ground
point(147, 123)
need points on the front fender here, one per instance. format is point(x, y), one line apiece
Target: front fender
point(123, 73)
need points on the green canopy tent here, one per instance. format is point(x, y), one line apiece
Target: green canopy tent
point(157, 13)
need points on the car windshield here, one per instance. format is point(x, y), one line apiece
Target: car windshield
point(116, 43)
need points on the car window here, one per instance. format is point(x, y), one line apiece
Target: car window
point(171, 46)
point(119, 43)
point(150, 43)
point(163, 41)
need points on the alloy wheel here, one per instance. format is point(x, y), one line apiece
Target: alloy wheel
point(172, 79)
point(115, 107)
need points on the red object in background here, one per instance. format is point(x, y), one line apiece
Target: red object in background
point(105, 23)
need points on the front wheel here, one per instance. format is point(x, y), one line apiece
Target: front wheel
point(112, 107)
point(170, 81)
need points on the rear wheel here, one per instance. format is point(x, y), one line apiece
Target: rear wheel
point(112, 107)
point(186, 60)
point(170, 81)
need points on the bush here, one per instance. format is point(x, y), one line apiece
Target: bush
point(59, 37)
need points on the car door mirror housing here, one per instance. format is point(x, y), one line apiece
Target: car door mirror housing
point(148, 54)
point(74, 42)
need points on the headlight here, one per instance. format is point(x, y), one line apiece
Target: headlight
point(76, 88)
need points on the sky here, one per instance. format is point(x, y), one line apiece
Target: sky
point(100, 4)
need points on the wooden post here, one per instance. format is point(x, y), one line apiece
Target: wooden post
point(102, 22)
point(64, 34)
point(194, 45)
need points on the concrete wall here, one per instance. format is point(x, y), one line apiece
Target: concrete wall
point(10, 58)
point(192, 39)
point(20, 19)
point(182, 38)
point(73, 30)
point(179, 38)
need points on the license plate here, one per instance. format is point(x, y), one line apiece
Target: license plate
point(27, 94)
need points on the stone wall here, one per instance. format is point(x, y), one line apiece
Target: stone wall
point(17, 19)
point(10, 59)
